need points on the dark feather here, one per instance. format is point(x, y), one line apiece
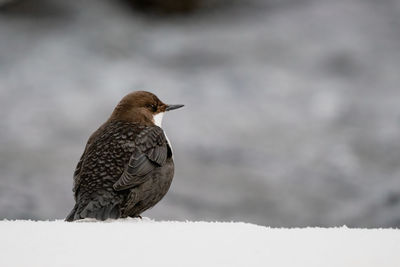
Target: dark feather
point(150, 152)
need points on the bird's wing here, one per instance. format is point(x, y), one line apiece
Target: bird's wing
point(150, 151)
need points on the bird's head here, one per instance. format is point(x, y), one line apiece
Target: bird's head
point(142, 107)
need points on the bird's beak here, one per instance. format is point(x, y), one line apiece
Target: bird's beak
point(172, 107)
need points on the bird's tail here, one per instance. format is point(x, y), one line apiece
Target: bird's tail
point(99, 208)
point(71, 215)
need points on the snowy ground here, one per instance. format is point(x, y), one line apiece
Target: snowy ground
point(135, 242)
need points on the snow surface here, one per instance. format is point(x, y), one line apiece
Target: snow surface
point(135, 242)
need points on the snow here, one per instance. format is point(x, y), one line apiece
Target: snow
point(135, 242)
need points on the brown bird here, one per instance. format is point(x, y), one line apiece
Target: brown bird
point(127, 166)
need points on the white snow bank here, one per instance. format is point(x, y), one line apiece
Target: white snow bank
point(135, 242)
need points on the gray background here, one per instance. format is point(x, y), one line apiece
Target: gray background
point(292, 113)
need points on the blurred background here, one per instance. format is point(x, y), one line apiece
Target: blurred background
point(292, 113)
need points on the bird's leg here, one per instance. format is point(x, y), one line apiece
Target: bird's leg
point(136, 216)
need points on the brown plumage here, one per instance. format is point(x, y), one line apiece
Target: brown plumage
point(127, 165)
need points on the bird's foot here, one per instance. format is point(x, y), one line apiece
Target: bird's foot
point(137, 216)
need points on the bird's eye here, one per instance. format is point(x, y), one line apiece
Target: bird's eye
point(152, 108)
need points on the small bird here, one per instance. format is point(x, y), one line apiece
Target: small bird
point(127, 165)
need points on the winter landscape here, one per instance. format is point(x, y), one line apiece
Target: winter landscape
point(291, 119)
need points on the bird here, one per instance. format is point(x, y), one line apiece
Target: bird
point(127, 165)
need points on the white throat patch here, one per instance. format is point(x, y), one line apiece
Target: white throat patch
point(158, 119)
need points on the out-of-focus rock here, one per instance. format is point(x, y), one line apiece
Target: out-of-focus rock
point(6, 2)
point(166, 6)
point(34, 9)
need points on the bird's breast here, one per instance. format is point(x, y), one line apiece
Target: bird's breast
point(169, 145)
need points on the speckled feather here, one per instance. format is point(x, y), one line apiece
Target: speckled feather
point(126, 168)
